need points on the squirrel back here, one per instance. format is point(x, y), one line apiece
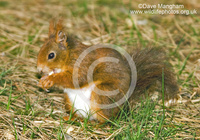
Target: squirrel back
point(103, 74)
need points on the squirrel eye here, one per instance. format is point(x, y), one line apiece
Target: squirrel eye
point(51, 56)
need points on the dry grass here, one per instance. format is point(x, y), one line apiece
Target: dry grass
point(29, 113)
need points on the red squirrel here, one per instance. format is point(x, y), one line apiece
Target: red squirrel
point(59, 54)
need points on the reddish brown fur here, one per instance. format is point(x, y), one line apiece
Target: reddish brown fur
point(110, 76)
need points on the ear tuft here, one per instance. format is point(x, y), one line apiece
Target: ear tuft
point(51, 28)
point(59, 25)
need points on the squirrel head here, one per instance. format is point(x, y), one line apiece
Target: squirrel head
point(54, 53)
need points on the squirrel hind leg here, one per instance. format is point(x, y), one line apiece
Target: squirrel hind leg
point(97, 113)
point(97, 99)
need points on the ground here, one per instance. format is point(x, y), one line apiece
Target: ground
point(27, 112)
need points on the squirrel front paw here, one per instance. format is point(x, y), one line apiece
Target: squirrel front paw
point(46, 82)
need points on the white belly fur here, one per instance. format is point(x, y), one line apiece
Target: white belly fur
point(81, 100)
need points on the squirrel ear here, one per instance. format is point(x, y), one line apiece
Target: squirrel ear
point(51, 28)
point(61, 40)
point(60, 35)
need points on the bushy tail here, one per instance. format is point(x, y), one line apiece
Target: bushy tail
point(150, 63)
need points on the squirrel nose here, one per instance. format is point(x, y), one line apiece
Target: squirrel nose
point(39, 69)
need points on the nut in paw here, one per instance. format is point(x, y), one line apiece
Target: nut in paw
point(46, 82)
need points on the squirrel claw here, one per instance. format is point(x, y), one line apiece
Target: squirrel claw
point(66, 118)
point(73, 118)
